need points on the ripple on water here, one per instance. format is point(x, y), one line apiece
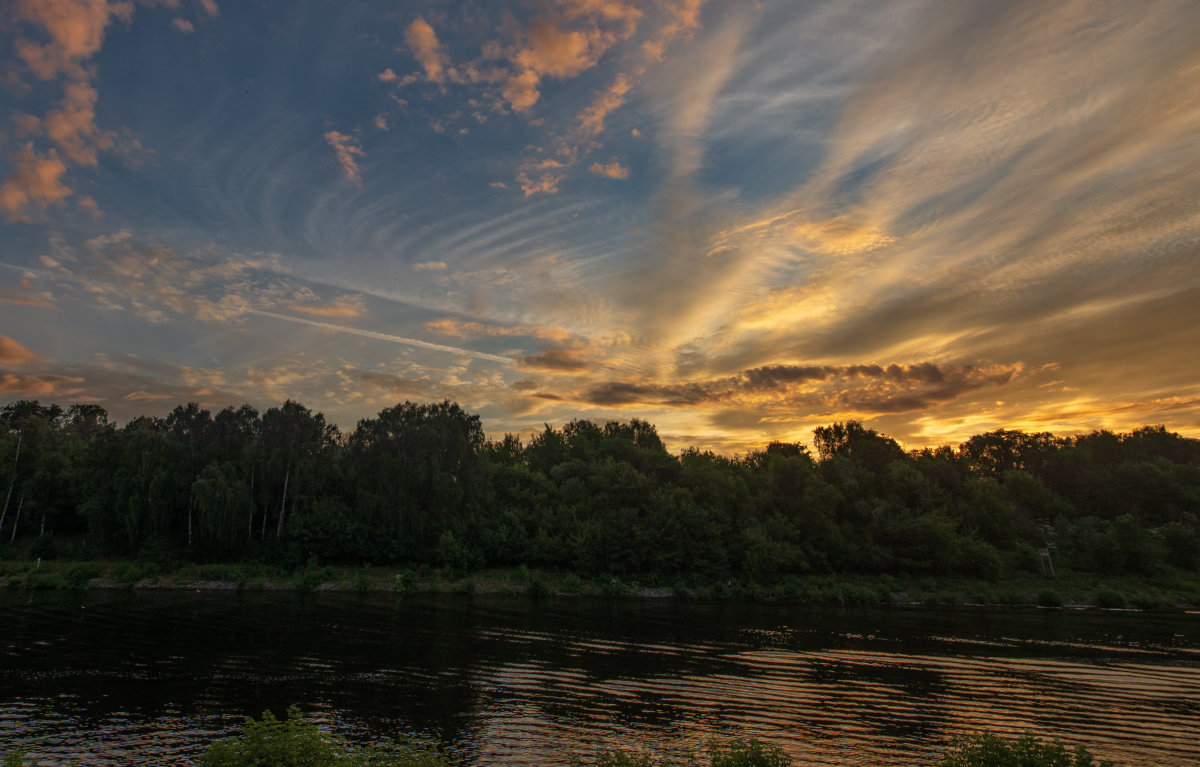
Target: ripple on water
point(151, 678)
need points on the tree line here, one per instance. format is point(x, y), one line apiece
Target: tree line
point(420, 484)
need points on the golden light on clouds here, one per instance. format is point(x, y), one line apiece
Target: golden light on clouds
point(735, 221)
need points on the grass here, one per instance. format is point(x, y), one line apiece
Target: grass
point(1158, 592)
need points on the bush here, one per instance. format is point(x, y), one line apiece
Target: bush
point(988, 750)
point(736, 753)
point(294, 743)
point(80, 574)
point(747, 753)
point(572, 584)
point(1110, 598)
point(622, 759)
point(537, 589)
point(312, 575)
point(1050, 598)
point(406, 581)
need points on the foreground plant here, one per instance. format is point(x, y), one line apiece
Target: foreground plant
point(988, 750)
point(740, 752)
point(269, 742)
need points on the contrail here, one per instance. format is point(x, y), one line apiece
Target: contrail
point(385, 337)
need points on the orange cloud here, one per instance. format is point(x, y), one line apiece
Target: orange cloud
point(72, 125)
point(613, 169)
point(76, 32)
point(13, 353)
point(591, 121)
point(430, 266)
point(36, 180)
point(348, 150)
point(466, 329)
point(684, 20)
point(547, 183)
point(23, 294)
point(39, 385)
point(210, 7)
point(423, 43)
point(386, 76)
point(335, 309)
point(183, 25)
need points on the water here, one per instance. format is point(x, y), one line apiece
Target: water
point(103, 678)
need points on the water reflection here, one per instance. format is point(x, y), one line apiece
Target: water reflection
point(146, 678)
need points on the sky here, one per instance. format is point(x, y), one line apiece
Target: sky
point(734, 220)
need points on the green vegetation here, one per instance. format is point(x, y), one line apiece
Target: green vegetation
point(296, 743)
point(417, 498)
point(988, 750)
point(736, 753)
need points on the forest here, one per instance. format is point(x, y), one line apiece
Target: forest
point(421, 485)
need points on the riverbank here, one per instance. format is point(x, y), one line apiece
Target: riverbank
point(1169, 590)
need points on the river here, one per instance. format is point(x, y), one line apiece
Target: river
point(149, 678)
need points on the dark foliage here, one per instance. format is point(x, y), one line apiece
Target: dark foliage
point(420, 484)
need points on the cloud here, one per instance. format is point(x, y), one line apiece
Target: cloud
point(613, 169)
point(345, 308)
point(395, 385)
point(385, 337)
point(423, 43)
point(683, 20)
point(41, 385)
point(13, 353)
point(210, 7)
point(69, 33)
point(183, 25)
point(430, 266)
point(73, 128)
point(563, 360)
point(591, 120)
point(564, 46)
point(386, 76)
point(381, 122)
point(864, 389)
point(88, 204)
point(76, 31)
point(36, 180)
point(546, 183)
point(347, 150)
point(468, 329)
point(24, 294)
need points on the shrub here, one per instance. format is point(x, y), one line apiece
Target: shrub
point(572, 584)
point(295, 743)
point(1110, 598)
point(312, 575)
point(1050, 598)
point(79, 574)
point(406, 581)
point(747, 753)
point(622, 759)
point(537, 589)
point(988, 750)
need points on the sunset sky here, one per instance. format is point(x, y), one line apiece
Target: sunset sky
point(735, 220)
